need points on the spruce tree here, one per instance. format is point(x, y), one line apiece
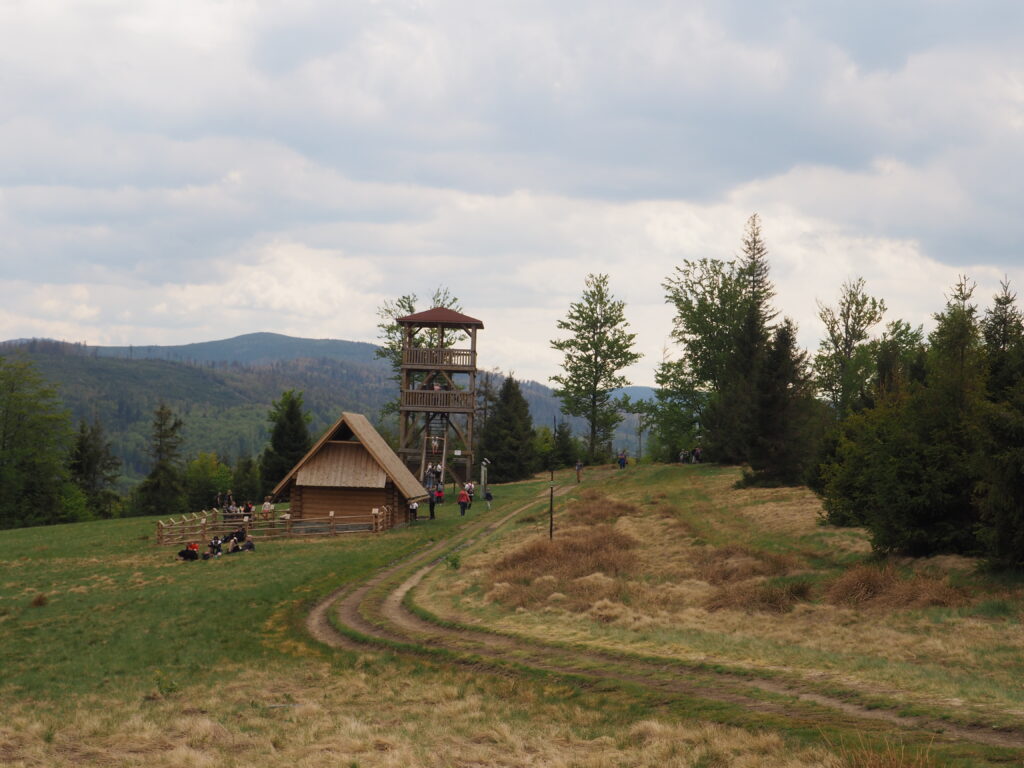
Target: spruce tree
point(909, 467)
point(245, 480)
point(785, 432)
point(1003, 331)
point(507, 438)
point(289, 438)
point(162, 492)
point(566, 451)
point(723, 322)
point(95, 469)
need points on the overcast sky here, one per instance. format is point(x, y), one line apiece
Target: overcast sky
point(183, 171)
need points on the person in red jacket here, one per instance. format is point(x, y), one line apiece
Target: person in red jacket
point(463, 501)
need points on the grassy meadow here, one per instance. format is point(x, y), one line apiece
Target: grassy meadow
point(113, 653)
point(677, 562)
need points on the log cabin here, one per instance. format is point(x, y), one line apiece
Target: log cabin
point(351, 471)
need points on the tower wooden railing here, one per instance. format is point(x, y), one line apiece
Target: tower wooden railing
point(437, 400)
point(429, 357)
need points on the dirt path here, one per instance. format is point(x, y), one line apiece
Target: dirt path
point(382, 616)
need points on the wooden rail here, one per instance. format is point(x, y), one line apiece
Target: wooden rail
point(201, 527)
point(422, 357)
point(437, 400)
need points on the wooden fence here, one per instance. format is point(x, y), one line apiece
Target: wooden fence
point(203, 526)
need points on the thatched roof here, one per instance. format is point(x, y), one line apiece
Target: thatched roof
point(352, 454)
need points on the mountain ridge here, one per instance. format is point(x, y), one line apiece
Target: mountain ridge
point(223, 389)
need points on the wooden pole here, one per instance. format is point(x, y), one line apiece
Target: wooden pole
point(551, 513)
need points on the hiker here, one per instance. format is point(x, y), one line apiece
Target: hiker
point(268, 508)
point(439, 494)
point(463, 502)
point(237, 546)
point(697, 453)
point(488, 497)
point(414, 507)
point(470, 491)
point(216, 547)
point(428, 477)
point(622, 459)
point(431, 501)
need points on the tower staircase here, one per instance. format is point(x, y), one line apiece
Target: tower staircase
point(435, 444)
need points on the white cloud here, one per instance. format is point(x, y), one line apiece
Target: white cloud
point(188, 171)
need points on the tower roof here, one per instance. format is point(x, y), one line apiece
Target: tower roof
point(432, 318)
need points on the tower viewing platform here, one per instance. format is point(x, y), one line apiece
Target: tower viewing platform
point(438, 392)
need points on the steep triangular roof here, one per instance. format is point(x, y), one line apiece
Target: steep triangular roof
point(432, 318)
point(363, 431)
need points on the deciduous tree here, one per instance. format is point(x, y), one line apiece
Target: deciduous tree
point(843, 366)
point(34, 435)
point(391, 337)
point(597, 349)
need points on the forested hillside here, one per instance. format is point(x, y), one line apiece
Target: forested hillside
point(223, 405)
point(223, 390)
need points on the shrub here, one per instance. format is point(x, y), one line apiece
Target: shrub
point(885, 586)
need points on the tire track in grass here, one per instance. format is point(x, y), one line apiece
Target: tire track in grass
point(375, 612)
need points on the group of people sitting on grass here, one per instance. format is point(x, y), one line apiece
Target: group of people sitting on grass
point(234, 542)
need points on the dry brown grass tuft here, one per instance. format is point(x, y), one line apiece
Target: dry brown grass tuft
point(775, 598)
point(40, 600)
point(593, 507)
point(580, 564)
point(724, 565)
point(886, 587)
point(890, 756)
point(577, 552)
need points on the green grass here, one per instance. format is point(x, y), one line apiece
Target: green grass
point(123, 615)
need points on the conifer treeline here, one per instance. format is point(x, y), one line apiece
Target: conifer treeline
point(52, 474)
point(921, 439)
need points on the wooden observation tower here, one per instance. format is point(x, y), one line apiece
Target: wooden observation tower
point(438, 392)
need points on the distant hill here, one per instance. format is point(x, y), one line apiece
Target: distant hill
point(224, 389)
point(250, 349)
